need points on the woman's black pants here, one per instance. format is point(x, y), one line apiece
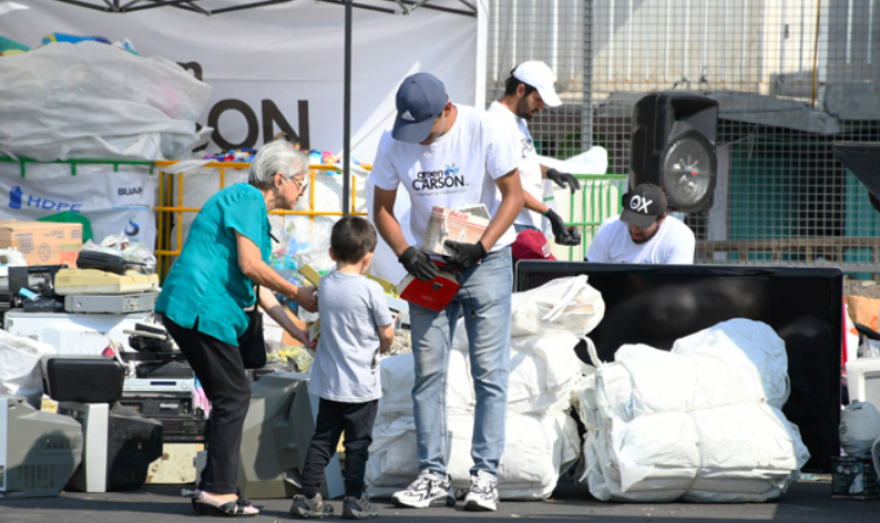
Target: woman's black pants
point(219, 368)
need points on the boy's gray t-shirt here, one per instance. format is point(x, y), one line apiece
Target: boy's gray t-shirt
point(346, 366)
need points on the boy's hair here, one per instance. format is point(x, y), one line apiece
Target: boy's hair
point(352, 238)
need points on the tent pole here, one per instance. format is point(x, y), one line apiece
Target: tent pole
point(346, 125)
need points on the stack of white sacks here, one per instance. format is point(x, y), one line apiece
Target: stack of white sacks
point(542, 439)
point(701, 423)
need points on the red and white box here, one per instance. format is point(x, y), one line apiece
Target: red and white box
point(436, 294)
point(463, 225)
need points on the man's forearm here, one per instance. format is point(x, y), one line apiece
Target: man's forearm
point(511, 205)
point(389, 230)
point(531, 203)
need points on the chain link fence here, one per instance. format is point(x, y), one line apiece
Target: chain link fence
point(790, 76)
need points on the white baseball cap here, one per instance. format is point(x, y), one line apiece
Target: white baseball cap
point(541, 77)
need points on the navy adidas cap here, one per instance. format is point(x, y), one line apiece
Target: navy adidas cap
point(420, 98)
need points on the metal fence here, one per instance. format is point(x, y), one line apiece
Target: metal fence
point(790, 76)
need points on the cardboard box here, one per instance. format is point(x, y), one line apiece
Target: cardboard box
point(43, 243)
point(854, 478)
point(864, 310)
point(286, 338)
point(176, 466)
point(463, 225)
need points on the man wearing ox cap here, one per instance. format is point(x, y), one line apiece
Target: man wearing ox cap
point(453, 156)
point(643, 233)
point(526, 92)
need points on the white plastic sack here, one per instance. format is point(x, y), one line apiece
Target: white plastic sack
point(859, 427)
point(92, 100)
point(567, 304)
point(542, 439)
point(742, 347)
point(397, 376)
point(536, 449)
point(543, 372)
point(20, 372)
point(699, 423)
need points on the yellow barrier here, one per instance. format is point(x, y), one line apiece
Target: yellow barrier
point(167, 209)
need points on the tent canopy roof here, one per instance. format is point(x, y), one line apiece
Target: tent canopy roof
point(214, 7)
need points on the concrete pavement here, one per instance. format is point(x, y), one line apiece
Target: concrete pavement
point(805, 502)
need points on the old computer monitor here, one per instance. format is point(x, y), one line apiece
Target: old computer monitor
point(39, 451)
point(276, 435)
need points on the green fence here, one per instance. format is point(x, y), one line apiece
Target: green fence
point(598, 199)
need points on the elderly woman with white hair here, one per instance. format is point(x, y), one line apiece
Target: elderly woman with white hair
point(203, 304)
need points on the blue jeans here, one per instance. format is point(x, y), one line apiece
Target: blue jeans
point(484, 301)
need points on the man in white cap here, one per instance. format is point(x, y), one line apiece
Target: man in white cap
point(528, 90)
point(453, 156)
point(643, 232)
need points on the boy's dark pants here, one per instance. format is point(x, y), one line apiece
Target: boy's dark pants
point(356, 419)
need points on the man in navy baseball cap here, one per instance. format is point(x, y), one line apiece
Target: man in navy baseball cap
point(420, 100)
point(453, 156)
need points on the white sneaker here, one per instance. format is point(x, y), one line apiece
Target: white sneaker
point(428, 490)
point(483, 494)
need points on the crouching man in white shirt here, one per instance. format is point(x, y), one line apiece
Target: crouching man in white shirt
point(643, 233)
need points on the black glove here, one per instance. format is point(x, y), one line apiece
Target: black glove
point(563, 178)
point(418, 264)
point(562, 234)
point(464, 255)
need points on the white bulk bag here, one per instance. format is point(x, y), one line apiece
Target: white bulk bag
point(746, 350)
point(20, 372)
point(92, 100)
point(859, 427)
point(696, 423)
point(567, 304)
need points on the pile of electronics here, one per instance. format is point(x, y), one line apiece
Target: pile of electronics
point(114, 413)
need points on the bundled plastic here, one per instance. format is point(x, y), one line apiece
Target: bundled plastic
point(859, 428)
point(136, 254)
point(542, 439)
point(92, 100)
point(702, 422)
point(20, 371)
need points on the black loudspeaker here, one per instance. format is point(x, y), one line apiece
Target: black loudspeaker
point(863, 160)
point(85, 379)
point(673, 146)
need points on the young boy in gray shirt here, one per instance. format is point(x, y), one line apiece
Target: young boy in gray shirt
point(355, 326)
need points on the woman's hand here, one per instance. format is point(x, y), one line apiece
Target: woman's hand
point(307, 298)
point(303, 336)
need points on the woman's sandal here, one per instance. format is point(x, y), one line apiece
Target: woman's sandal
point(204, 507)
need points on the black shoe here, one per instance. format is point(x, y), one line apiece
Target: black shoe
point(230, 508)
point(353, 508)
point(305, 508)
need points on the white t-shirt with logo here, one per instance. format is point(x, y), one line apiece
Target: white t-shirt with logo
point(529, 166)
point(674, 243)
point(458, 170)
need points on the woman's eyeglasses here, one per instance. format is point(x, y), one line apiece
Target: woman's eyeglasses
point(302, 185)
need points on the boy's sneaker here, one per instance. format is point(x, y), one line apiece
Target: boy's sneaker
point(353, 508)
point(305, 508)
point(428, 490)
point(483, 494)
